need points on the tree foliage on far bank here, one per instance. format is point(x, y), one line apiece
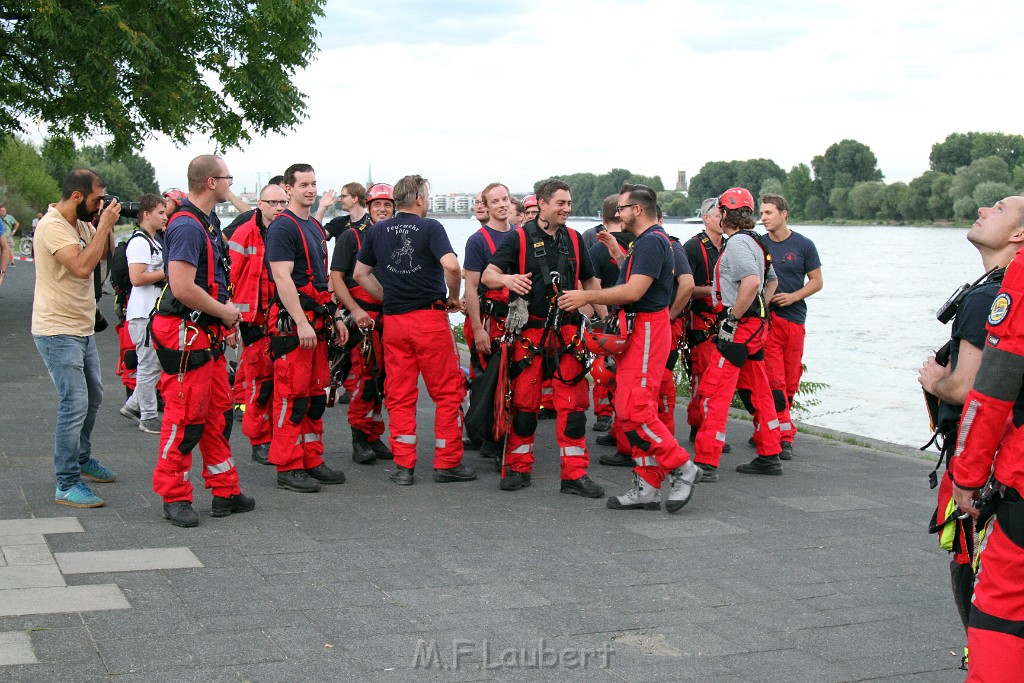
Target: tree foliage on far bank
point(589, 190)
point(131, 68)
point(25, 186)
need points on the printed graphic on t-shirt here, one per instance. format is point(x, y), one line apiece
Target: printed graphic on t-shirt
point(403, 253)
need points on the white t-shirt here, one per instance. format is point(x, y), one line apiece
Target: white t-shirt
point(141, 249)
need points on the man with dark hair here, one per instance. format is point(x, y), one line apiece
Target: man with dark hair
point(486, 309)
point(193, 320)
point(300, 321)
point(744, 282)
point(67, 251)
point(702, 251)
point(796, 263)
point(253, 292)
point(145, 256)
point(480, 208)
point(608, 219)
point(983, 376)
point(408, 263)
point(644, 292)
point(537, 263)
point(364, 379)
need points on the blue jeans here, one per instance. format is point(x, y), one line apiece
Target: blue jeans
point(74, 367)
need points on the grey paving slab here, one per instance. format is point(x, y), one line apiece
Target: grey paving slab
point(42, 525)
point(829, 503)
point(61, 599)
point(126, 560)
point(22, 539)
point(30, 576)
point(16, 648)
point(26, 554)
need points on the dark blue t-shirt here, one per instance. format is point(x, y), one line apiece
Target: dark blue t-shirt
point(479, 252)
point(651, 255)
point(284, 243)
point(186, 240)
point(347, 246)
point(792, 258)
point(969, 325)
point(605, 268)
point(681, 263)
point(405, 252)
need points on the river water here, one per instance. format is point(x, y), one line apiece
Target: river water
point(873, 323)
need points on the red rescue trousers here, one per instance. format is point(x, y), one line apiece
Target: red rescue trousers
point(666, 397)
point(783, 361)
point(570, 403)
point(197, 412)
point(700, 363)
point(301, 378)
point(603, 401)
point(718, 388)
point(994, 633)
point(258, 367)
point(421, 343)
point(639, 372)
point(365, 408)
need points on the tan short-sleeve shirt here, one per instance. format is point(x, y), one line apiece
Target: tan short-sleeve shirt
point(64, 303)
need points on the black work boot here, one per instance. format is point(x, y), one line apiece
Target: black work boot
point(762, 464)
point(403, 476)
point(381, 450)
point(513, 481)
point(181, 513)
point(297, 480)
point(325, 475)
point(362, 451)
point(222, 507)
point(261, 453)
point(452, 474)
point(584, 486)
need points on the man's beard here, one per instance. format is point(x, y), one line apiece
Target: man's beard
point(83, 214)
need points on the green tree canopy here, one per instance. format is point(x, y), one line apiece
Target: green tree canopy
point(129, 68)
point(928, 197)
point(864, 200)
point(589, 190)
point(126, 175)
point(988, 193)
point(987, 169)
point(844, 163)
point(714, 178)
point(798, 189)
point(25, 186)
point(960, 149)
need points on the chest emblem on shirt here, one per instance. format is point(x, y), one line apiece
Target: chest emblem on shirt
point(1000, 309)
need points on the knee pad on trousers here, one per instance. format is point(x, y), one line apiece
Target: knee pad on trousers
point(757, 355)
point(190, 437)
point(266, 392)
point(229, 423)
point(780, 400)
point(524, 424)
point(637, 441)
point(317, 405)
point(576, 425)
point(746, 395)
point(299, 408)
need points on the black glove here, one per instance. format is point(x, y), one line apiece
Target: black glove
point(727, 329)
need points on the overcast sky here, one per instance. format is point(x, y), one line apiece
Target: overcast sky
point(470, 92)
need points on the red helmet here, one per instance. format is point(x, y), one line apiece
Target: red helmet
point(530, 200)
point(603, 343)
point(175, 194)
point(603, 372)
point(737, 198)
point(380, 191)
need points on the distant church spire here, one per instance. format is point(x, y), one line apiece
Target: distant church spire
point(369, 174)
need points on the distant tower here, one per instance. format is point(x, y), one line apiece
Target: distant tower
point(369, 174)
point(681, 181)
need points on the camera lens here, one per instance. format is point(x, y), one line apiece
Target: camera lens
point(130, 209)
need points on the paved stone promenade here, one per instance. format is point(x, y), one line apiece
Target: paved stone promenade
point(823, 574)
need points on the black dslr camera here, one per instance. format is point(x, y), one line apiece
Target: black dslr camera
point(128, 209)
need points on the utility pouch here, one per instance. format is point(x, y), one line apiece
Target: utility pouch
point(171, 360)
point(732, 352)
point(279, 346)
point(251, 334)
point(1010, 515)
point(131, 359)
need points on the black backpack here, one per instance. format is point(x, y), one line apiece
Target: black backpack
point(118, 267)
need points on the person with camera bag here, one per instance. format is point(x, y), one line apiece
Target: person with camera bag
point(68, 249)
point(145, 258)
point(950, 374)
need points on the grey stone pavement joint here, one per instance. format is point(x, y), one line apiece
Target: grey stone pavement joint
point(823, 574)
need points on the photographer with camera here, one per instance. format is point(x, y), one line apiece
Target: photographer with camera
point(950, 374)
point(145, 257)
point(68, 249)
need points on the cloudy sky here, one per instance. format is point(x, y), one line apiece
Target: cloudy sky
point(469, 92)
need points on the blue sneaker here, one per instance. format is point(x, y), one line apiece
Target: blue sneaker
point(78, 496)
point(97, 472)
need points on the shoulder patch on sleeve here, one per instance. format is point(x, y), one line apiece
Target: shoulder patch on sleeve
point(1000, 309)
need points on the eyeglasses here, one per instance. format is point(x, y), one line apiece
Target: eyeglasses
point(624, 206)
point(275, 202)
point(223, 177)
